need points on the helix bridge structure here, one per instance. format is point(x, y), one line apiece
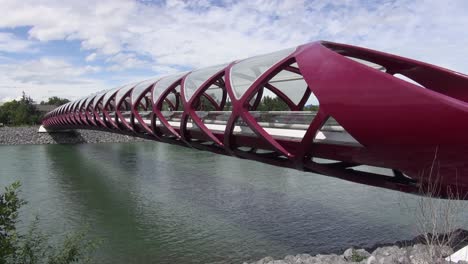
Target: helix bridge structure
point(339, 110)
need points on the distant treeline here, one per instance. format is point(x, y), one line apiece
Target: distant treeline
point(24, 111)
point(54, 100)
point(267, 103)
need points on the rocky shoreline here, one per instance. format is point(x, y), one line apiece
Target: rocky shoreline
point(28, 135)
point(416, 254)
point(413, 251)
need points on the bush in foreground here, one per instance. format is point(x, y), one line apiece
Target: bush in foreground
point(35, 247)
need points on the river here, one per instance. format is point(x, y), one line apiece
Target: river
point(156, 203)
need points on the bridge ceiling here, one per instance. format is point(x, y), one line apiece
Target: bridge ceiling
point(65, 108)
point(141, 88)
point(62, 109)
point(82, 103)
point(124, 91)
point(244, 73)
point(74, 105)
point(108, 96)
point(164, 84)
point(194, 80)
point(89, 100)
point(98, 98)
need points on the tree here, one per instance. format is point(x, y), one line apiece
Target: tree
point(272, 104)
point(22, 112)
point(54, 100)
point(9, 206)
point(311, 107)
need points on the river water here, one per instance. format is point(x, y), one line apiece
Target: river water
point(156, 203)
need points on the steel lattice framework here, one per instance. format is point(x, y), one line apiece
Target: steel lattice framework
point(341, 107)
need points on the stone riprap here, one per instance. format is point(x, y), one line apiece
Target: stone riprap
point(416, 254)
point(30, 135)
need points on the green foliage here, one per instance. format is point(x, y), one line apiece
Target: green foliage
point(34, 246)
point(22, 112)
point(355, 257)
point(311, 108)
point(272, 104)
point(205, 105)
point(9, 206)
point(228, 105)
point(54, 100)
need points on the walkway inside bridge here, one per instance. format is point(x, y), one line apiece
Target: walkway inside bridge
point(286, 125)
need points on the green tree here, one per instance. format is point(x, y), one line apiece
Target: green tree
point(21, 112)
point(55, 100)
point(205, 105)
point(272, 104)
point(9, 206)
point(311, 107)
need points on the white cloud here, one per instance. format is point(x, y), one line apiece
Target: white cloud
point(122, 61)
point(46, 77)
point(10, 43)
point(9, 99)
point(163, 70)
point(91, 57)
point(130, 35)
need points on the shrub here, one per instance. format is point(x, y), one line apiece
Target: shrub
point(34, 247)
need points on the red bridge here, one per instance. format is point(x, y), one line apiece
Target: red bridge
point(322, 107)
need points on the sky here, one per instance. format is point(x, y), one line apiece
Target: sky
point(74, 48)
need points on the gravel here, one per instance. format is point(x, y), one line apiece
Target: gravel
point(29, 135)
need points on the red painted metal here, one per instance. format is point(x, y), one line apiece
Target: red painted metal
point(414, 131)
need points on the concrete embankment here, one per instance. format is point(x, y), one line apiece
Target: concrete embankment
point(29, 135)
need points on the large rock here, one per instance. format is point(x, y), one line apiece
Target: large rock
point(356, 255)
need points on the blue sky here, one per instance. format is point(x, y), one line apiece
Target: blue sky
point(76, 47)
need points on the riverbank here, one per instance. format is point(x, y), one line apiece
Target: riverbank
point(28, 135)
point(413, 251)
point(388, 255)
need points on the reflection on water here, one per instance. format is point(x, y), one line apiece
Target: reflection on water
point(154, 202)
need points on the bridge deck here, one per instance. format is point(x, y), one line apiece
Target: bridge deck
point(285, 125)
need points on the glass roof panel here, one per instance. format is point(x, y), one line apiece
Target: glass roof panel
point(368, 63)
point(77, 105)
point(215, 92)
point(109, 94)
point(245, 73)
point(69, 107)
point(195, 79)
point(65, 107)
point(73, 106)
point(291, 84)
point(82, 102)
point(164, 83)
point(122, 91)
point(98, 96)
point(141, 87)
point(88, 101)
